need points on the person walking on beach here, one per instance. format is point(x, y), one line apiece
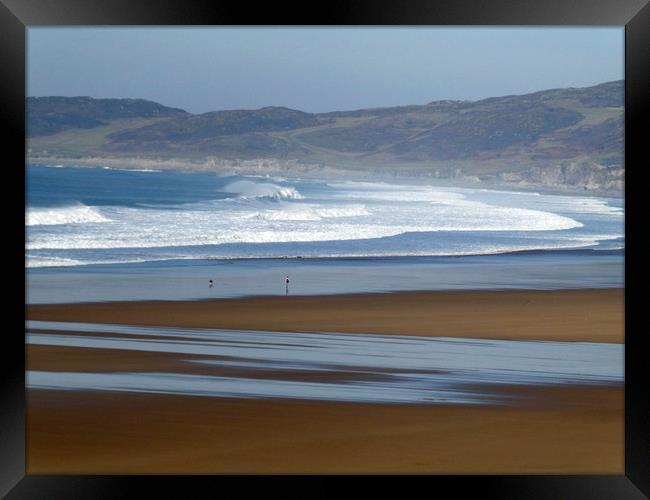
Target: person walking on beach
point(210, 284)
point(286, 284)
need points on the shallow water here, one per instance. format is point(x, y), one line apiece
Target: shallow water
point(361, 368)
point(188, 280)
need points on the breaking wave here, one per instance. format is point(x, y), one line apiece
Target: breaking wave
point(75, 214)
point(246, 217)
point(249, 189)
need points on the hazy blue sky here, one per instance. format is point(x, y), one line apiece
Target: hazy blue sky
point(317, 69)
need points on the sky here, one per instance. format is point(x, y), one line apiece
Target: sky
point(320, 69)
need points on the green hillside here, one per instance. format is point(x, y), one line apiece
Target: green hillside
point(572, 135)
point(50, 115)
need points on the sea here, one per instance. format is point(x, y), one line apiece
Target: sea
point(107, 234)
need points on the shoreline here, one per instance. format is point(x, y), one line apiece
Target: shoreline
point(592, 250)
point(586, 315)
point(297, 170)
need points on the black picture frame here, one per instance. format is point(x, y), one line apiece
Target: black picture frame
point(17, 15)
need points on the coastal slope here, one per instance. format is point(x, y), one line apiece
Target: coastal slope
point(560, 138)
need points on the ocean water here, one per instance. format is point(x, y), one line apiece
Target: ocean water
point(352, 367)
point(112, 234)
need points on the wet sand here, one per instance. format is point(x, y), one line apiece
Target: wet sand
point(84, 360)
point(592, 315)
point(566, 430)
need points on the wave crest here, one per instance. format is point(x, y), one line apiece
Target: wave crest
point(75, 214)
point(249, 189)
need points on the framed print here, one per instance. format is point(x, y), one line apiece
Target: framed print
point(363, 240)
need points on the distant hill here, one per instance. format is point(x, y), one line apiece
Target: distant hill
point(50, 115)
point(572, 136)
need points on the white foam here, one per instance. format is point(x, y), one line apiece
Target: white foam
point(346, 211)
point(75, 214)
point(32, 261)
point(220, 223)
point(409, 194)
point(593, 205)
point(305, 212)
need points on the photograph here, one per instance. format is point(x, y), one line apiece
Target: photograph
point(325, 250)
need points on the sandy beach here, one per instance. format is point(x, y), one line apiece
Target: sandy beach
point(566, 431)
point(561, 429)
point(595, 315)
